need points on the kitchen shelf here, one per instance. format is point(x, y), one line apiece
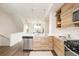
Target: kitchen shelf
point(76, 22)
point(58, 20)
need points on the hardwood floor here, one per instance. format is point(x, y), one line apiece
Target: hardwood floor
point(41, 53)
point(15, 50)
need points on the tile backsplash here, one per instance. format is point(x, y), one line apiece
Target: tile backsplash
point(73, 31)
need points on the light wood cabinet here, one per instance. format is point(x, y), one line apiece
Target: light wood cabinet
point(66, 8)
point(67, 21)
point(64, 16)
point(67, 14)
point(49, 43)
point(59, 47)
point(43, 43)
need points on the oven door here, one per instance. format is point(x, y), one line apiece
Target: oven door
point(69, 52)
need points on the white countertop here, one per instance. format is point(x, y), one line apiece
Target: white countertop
point(28, 34)
point(67, 38)
point(60, 38)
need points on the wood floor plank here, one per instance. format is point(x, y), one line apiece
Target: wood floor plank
point(16, 50)
point(41, 53)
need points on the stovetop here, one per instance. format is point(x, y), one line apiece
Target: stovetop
point(73, 45)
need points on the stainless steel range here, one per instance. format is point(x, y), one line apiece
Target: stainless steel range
point(72, 47)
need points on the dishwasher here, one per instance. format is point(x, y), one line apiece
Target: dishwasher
point(27, 42)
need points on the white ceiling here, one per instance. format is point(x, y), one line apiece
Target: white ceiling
point(26, 10)
point(29, 10)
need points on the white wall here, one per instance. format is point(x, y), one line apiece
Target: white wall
point(17, 20)
point(4, 41)
point(15, 38)
point(73, 31)
point(7, 27)
point(47, 27)
point(52, 24)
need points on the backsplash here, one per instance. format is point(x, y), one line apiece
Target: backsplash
point(73, 31)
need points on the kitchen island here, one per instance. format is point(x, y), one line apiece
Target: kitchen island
point(43, 43)
point(40, 42)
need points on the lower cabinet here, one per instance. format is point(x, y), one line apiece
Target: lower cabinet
point(49, 43)
point(43, 43)
point(59, 46)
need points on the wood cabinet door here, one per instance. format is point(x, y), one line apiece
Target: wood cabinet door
point(59, 47)
point(67, 14)
point(43, 44)
point(67, 21)
point(67, 7)
point(50, 42)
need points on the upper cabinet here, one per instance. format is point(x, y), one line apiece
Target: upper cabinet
point(67, 8)
point(66, 14)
